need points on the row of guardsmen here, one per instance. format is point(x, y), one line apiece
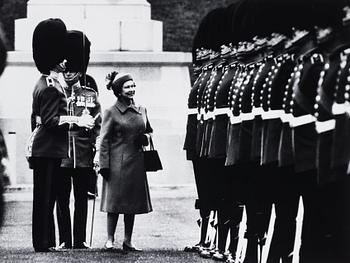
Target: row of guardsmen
point(268, 123)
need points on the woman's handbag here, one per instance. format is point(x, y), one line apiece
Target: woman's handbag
point(151, 158)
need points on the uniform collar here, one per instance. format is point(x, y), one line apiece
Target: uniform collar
point(122, 107)
point(76, 87)
point(53, 74)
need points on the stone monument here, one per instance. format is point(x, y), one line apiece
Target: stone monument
point(111, 24)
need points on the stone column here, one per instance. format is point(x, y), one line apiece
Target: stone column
point(111, 25)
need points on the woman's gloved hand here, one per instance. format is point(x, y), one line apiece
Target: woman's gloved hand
point(141, 140)
point(105, 172)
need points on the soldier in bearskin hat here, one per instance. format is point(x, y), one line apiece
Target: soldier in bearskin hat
point(77, 167)
point(48, 143)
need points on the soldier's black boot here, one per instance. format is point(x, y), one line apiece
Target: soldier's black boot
point(261, 244)
point(234, 229)
point(251, 254)
point(203, 224)
point(204, 230)
point(287, 258)
point(235, 221)
point(224, 221)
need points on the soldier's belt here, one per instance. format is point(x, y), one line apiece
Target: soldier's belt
point(286, 117)
point(257, 110)
point(209, 115)
point(221, 111)
point(200, 114)
point(338, 108)
point(272, 114)
point(324, 126)
point(192, 111)
point(247, 116)
point(235, 119)
point(302, 120)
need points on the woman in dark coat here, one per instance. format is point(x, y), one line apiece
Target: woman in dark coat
point(125, 129)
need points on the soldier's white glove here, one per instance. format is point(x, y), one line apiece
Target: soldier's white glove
point(97, 153)
point(96, 161)
point(86, 120)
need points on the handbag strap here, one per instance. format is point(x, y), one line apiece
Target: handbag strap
point(144, 115)
point(151, 146)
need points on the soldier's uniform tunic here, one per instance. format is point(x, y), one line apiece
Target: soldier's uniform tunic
point(78, 166)
point(199, 164)
point(49, 146)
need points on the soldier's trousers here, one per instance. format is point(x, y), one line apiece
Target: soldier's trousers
point(45, 173)
point(230, 209)
point(285, 196)
point(80, 179)
point(326, 222)
point(200, 169)
point(258, 209)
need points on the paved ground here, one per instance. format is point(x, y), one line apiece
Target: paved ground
point(162, 234)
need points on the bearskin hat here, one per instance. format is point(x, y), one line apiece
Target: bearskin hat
point(48, 44)
point(77, 51)
point(212, 31)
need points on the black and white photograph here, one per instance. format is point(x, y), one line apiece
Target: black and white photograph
point(175, 131)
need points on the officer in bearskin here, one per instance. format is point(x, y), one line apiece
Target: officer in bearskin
point(77, 167)
point(48, 143)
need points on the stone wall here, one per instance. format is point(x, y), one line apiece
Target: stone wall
point(180, 19)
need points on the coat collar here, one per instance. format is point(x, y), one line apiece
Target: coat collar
point(122, 107)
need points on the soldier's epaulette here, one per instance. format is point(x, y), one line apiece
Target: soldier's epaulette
point(89, 89)
point(50, 82)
